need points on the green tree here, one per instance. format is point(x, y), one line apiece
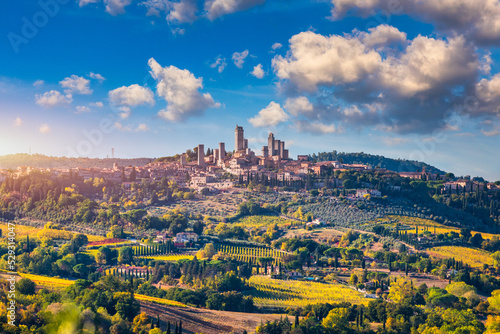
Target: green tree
point(125, 255)
point(26, 286)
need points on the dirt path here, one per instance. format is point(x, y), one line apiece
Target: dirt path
point(205, 321)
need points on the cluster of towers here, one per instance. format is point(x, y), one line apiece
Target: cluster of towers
point(274, 148)
point(219, 154)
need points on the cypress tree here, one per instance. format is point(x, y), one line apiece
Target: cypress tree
point(180, 326)
point(168, 327)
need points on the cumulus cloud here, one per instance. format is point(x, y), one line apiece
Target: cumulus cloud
point(18, 122)
point(83, 3)
point(276, 46)
point(405, 89)
point(219, 63)
point(53, 99)
point(488, 94)
point(76, 85)
point(181, 90)
point(258, 72)
point(239, 58)
point(97, 76)
point(38, 83)
point(183, 11)
point(315, 60)
point(142, 128)
point(155, 7)
point(477, 19)
point(131, 96)
point(271, 115)
point(44, 128)
point(97, 104)
point(299, 106)
point(315, 127)
point(218, 8)
point(82, 109)
point(383, 35)
point(116, 7)
point(429, 64)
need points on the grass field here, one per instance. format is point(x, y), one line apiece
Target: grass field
point(279, 293)
point(50, 282)
point(22, 230)
point(170, 257)
point(474, 257)
point(161, 301)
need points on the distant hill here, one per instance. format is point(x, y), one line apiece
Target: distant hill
point(396, 165)
point(42, 161)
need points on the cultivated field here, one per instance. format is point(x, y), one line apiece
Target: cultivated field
point(168, 257)
point(279, 293)
point(474, 257)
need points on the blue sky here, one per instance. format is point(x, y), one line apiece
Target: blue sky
point(413, 81)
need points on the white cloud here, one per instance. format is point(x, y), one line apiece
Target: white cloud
point(271, 115)
point(383, 35)
point(131, 96)
point(315, 60)
point(126, 112)
point(177, 31)
point(116, 7)
point(218, 8)
point(298, 106)
point(120, 127)
point(491, 133)
point(276, 46)
point(154, 7)
point(315, 127)
point(44, 128)
point(239, 58)
point(489, 90)
point(38, 83)
point(76, 85)
point(429, 64)
point(183, 11)
point(53, 99)
point(181, 90)
point(97, 104)
point(142, 128)
point(18, 122)
point(258, 72)
point(477, 19)
point(219, 63)
point(97, 76)
point(83, 3)
point(82, 109)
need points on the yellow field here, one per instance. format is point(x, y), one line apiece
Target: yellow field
point(280, 293)
point(473, 257)
point(431, 225)
point(162, 301)
point(22, 230)
point(51, 282)
point(171, 257)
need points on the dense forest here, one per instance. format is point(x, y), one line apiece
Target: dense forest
point(396, 165)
